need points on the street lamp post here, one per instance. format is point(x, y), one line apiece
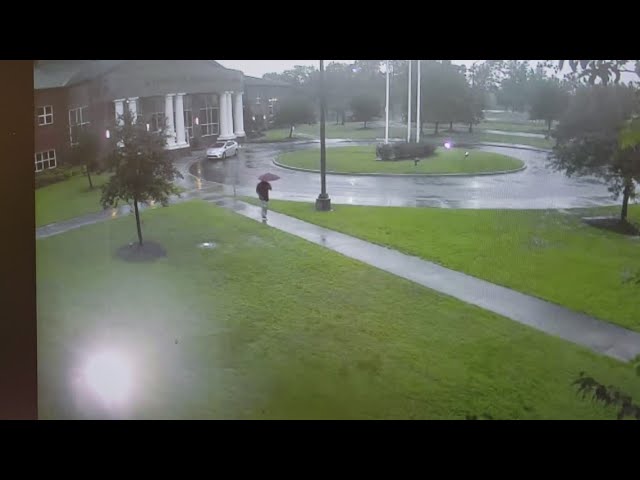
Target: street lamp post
point(418, 106)
point(323, 202)
point(409, 107)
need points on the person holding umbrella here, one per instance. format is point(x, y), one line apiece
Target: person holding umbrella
point(262, 189)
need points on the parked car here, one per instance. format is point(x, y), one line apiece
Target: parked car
point(223, 150)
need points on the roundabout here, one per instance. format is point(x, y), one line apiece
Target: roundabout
point(535, 187)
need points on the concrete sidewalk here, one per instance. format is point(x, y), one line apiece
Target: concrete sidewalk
point(599, 336)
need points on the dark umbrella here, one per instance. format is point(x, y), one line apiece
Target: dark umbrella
point(268, 177)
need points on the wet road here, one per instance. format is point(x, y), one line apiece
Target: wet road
point(536, 187)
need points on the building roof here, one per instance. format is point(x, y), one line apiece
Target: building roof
point(65, 73)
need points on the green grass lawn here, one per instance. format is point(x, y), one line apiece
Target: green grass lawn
point(269, 326)
point(277, 135)
point(352, 130)
point(68, 199)
point(529, 127)
point(540, 252)
point(514, 126)
point(480, 136)
point(362, 159)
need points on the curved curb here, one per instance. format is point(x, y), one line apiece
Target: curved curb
point(292, 142)
point(500, 172)
point(507, 145)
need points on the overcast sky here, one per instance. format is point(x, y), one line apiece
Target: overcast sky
point(257, 68)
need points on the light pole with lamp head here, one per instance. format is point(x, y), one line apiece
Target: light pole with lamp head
point(323, 202)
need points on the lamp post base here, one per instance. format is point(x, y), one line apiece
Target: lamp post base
point(323, 203)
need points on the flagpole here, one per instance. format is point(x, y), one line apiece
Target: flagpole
point(386, 125)
point(409, 107)
point(418, 106)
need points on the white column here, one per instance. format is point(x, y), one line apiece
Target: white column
point(230, 114)
point(238, 115)
point(119, 110)
point(180, 132)
point(168, 113)
point(226, 127)
point(133, 108)
point(222, 109)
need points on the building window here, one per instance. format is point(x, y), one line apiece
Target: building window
point(46, 159)
point(156, 118)
point(187, 104)
point(188, 123)
point(209, 117)
point(78, 118)
point(45, 115)
point(209, 121)
point(139, 114)
point(258, 100)
point(272, 106)
point(157, 122)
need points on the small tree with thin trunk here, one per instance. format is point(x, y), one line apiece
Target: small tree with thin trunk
point(85, 154)
point(142, 168)
point(365, 107)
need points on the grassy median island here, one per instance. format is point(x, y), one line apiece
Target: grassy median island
point(362, 159)
point(549, 254)
point(266, 325)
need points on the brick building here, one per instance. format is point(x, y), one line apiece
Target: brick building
point(201, 100)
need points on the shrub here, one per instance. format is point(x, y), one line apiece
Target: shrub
point(59, 174)
point(400, 151)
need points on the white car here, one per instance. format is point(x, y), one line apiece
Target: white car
point(223, 150)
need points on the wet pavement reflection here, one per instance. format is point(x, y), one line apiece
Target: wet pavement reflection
point(535, 187)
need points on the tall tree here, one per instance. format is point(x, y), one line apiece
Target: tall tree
point(141, 166)
point(587, 140)
point(549, 99)
point(444, 93)
point(610, 71)
point(365, 107)
point(85, 154)
point(294, 111)
point(339, 87)
point(603, 71)
point(513, 88)
point(299, 75)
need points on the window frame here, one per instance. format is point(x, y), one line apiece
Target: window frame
point(42, 118)
point(50, 158)
point(209, 121)
point(81, 124)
